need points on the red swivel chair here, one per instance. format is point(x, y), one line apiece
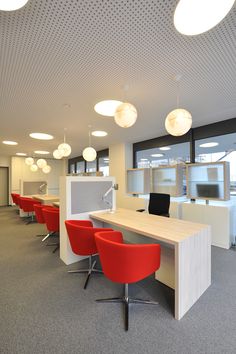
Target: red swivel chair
point(39, 215)
point(15, 198)
point(27, 204)
point(126, 263)
point(51, 217)
point(81, 236)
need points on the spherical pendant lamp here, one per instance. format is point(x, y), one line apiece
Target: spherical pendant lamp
point(178, 122)
point(89, 154)
point(47, 169)
point(11, 5)
point(57, 154)
point(34, 168)
point(41, 163)
point(29, 161)
point(125, 115)
point(65, 149)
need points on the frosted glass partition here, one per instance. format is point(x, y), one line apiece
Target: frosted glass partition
point(138, 181)
point(88, 196)
point(208, 181)
point(33, 187)
point(168, 179)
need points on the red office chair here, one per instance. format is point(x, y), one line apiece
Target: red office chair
point(27, 204)
point(81, 236)
point(51, 217)
point(15, 198)
point(126, 263)
point(39, 215)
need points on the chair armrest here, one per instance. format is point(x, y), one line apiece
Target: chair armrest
point(140, 210)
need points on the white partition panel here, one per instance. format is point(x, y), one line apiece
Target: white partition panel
point(79, 196)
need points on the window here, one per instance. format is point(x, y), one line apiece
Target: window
point(103, 165)
point(80, 167)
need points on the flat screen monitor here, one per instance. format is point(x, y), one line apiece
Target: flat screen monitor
point(208, 190)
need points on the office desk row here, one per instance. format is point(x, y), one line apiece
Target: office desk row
point(185, 251)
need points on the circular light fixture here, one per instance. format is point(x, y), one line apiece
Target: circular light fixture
point(34, 168)
point(125, 115)
point(29, 161)
point(107, 107)
point(143, 159)
point(21, 154)
point(193, 17)
point(6, 5)
point(157, 155)
point(41, 163)
point(57, 154)
point(164, 148)
point(41, 152)
point(178, 122)
point(41, 136)
point(8, 142)
point(65, 149)
point(89, 154)
point(99, 133)
point(106, 159)
point(208, 145)
point(47, 169)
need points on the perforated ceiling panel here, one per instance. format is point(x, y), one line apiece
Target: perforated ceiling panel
point(54, 52)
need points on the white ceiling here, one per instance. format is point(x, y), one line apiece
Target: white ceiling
point(78, 52)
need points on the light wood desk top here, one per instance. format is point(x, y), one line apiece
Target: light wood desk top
point(46, 197)
point(169, 230)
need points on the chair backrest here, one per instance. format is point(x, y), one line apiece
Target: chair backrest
point(159, 204)
point(126, 263)
point(27, 204)
point(52, 216)
point(81, 236)
point(39, 212)
point(15, 198)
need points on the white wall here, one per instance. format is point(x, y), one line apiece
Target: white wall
point(121, 158)
point(20, 171)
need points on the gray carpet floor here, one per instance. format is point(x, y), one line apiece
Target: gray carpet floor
point(43, 309)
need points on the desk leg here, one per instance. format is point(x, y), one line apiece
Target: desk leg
point(192, 270)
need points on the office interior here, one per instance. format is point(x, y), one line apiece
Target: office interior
point(58, 60)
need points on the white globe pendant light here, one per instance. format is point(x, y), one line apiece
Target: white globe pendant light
point(64, 149)
point(89, 154)
point(11, 5)
point(57, 154)
point(193, 17)
point(41, 163)
point(178, 122)
point(47, 169)
point(125, 115)
point(29, 161)
point(34, 168)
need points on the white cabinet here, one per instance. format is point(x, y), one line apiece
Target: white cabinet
point(210, 181)
point(168, 179)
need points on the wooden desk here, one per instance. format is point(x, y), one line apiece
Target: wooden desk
point(46, 198)
point(191, 256)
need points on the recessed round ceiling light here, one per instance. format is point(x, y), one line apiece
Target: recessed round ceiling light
point(21, 154)
point(107, 107)
point(6, 5)
point(164, 148)
point(41, 136)
point(208, 145)
point(8, 142)
point(143, 159)
point(193, 17)
point(41, 152)
point(99, 133)
point(106, 159)
point(157, 155)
